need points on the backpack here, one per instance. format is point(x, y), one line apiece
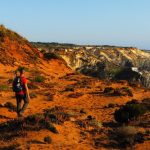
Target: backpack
point(17, 85)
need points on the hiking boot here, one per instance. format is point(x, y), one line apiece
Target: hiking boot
point(20, 115)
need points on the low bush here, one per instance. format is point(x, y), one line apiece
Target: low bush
point(127, 91)
point(24, 68)
point(146, 103)
point(19, 127)
point(108, 90)
point(48, 139)
point(32, 85)
point(49, 56)
point(111, 105)
point(11, 147)
point(10, 81)
point(125, 136)
point(50, 96)
point(133, 101)
point(4, 87)
point(69, 88)
point(51, 127)
point(124, 91)
point(129, 112)
point(39, 79)
point(34, 119)
point(57, 115)
point(10, 106)
point(33, 95)
point(83, 111)
point(75, 95)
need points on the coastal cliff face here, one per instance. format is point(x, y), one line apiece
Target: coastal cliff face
point(107, 62)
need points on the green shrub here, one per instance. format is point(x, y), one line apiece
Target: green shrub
point(24, 68)
point(51, 127)
point(111, 105)
point(10, 81)
point(75, 95)
point(125, 136)
point(49, 56)
point(129, 112)
point(39, 78)
point(11, 147)
point(4, 87)
point(34, 119)
point(32, 85)
point(10, 106)
point(50, 97)
point(48, 139)
point(108, 90)
point(33, 95)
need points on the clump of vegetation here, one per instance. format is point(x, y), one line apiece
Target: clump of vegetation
point(11, 147)
point(69, 88)
point(4, 32)
point(124, 91)
point(75, 95)
point(99, 141)
point(127, 74)
point(32, 85)
point(111, 105)
point(83, 111)
point(127, 136)
point(10, 106)
point(34, 119)
point(13, 125)
point(146, 103)
point(35, 142)
point(50, 96)
point(133, 101)
point(51, 127)
point(24, 68)
point(18, 127)
point(38, 121)
point(91, 122)
point(57, 115)
point(48, 139)
point(127, 91)
point(129, 112)
point(112, 72)
point(108, 90)
point(33, 95)
point(10, 81)
point(4, 87)
point(51, 55)
point(39, 79)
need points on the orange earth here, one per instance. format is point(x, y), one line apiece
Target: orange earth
point(69, 136)
point(58, 77)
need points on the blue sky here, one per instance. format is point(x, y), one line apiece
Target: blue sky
point(111, 22)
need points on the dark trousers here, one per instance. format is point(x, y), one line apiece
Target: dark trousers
point(19, 99)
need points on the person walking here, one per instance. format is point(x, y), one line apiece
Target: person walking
point(21, 90)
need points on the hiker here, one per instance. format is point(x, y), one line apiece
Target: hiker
point(20, 88)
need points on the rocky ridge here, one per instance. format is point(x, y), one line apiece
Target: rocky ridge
point(105, 62)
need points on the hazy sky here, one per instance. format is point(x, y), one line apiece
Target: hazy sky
point(112, 22)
